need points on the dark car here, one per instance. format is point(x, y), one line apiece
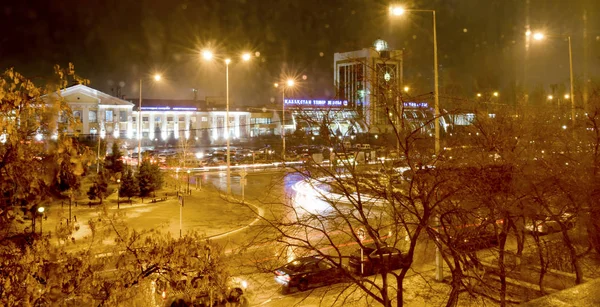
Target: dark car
point(306, 272)
point(474, 238)
point(375, 260)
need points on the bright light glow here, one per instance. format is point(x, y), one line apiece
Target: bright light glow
point(39, 137)
point(227, 61)
point(290, 82)
point(550, 97)
point(538, 36)
point(478, 94)
point(41, 209)
point(207, 55)
point(397, 10)
point(276, 84)
point(495, 94)
point(528, 33)
point(406, 88)
point(157, 77)
point(199, 155)
point(246, 56)
point(567, 96)
point(564, 127)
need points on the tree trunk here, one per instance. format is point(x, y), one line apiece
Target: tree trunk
point(573, 256)
point(400, 294)
point(501, 266)
point(543, 265)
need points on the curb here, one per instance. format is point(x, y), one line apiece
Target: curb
point(260, 212)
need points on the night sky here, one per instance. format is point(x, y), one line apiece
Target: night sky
point(481, 43)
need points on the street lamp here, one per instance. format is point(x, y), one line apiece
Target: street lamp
point(495, 94)
point(208, 55)
point(157, 78)
point(397, 11)
point(41, 211)
point(118, 190)
point(177, 180)
point(188, 180)
point(288, 83)
point(540, 36)
point(406, 89)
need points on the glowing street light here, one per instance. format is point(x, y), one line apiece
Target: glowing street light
point(567, 96)
point(397, 11)
point(550, 97)
point(538, 36)
point(406, 89)
point(208, 56)
point(478, 94)
point(495, 94)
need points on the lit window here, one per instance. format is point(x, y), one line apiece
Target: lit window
point(92, 116)
point(108, 115)
point(145, 118)
point(123, 116)
point(157, 119)
point(204, 118)
point(181, 119)
point(170, 118)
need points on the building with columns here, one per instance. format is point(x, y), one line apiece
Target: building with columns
point(98, 113)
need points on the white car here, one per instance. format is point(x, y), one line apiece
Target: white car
point(544, 225)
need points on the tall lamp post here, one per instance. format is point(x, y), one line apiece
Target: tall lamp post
point(157, 77)
point(288, 83)
point(397, 11)
point(41, 211)
point(538, 36)
point(188, 182)
point(208, 56)
point(118, 191)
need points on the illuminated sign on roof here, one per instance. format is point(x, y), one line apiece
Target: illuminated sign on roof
point(416, 105)
point(316, 103)
point(169, 108)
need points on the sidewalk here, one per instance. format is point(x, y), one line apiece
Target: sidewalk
point(204, 211)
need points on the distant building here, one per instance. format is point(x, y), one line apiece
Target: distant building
point(369, 79)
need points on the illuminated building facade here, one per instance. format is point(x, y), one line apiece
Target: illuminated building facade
point(369, 79)
point(308, 114)
point(202, 120)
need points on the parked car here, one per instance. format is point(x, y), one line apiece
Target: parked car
point(374, 260)
point(543, 225)
point(306, 272)
point(474, 238)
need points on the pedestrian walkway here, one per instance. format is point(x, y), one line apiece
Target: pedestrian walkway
point(205, 211)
